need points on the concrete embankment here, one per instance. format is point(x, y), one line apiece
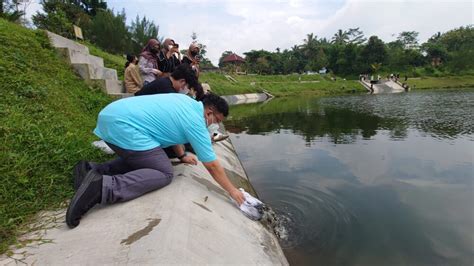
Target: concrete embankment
point(191, 221)
point(248, 98)
point(385, 86)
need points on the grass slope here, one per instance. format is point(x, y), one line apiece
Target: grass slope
point(280, 85)
point(441, 82)
point(46, 117)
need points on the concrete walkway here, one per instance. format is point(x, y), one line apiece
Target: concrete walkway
point(191, 221)
point(384, 86)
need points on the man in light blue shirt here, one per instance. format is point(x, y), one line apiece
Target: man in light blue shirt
point(137, 129)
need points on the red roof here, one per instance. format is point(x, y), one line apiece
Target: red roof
point(233, 58)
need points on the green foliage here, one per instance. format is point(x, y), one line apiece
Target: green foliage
point(142, 30)
point(110, 31)
point(60, 15)
point(409, 39)
point(46, 117)
point(91, 7)
point(374, 51)
point(340, 37)
point(100, 26)
point(9, 10)
point(224, 54)
point(349, 55)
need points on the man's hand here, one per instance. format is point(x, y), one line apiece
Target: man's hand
point(238, 196)
point(190, 158)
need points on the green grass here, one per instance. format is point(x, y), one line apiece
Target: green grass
point(441, 82)
point(280, 85)
point(47, 115)
point(116, 62)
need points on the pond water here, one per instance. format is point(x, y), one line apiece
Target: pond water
point(365, 179)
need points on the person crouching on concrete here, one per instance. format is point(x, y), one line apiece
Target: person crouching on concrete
point(137, 129)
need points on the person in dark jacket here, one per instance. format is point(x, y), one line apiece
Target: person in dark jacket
point(182, 80)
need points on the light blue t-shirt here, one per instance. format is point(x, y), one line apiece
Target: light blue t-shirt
point(145, 122)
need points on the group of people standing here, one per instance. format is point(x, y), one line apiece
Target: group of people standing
point(157, 62)
point(171, 117)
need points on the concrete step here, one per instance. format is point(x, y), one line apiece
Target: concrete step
point(119, 96)
point(78, 57)
point(60, 42)
point(88, 71)
point(109, 86)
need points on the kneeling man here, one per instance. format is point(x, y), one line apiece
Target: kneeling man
point(137, 129)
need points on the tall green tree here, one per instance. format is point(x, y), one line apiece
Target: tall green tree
point(409, 39)
point(141, 31)
point(9, 10)
point(58, 16)
point(110, 32)
point(374, 52)
point(90, 7)
point(355, 36)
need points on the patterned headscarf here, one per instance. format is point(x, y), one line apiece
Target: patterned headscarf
point(148, 54)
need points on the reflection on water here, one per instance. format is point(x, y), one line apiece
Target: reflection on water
point(365, 180)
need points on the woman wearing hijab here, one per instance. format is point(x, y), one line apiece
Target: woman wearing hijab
point(148, 62)
point(192, 57)
point(132, 78)
point(167, 61)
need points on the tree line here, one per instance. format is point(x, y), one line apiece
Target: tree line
point(350, 53)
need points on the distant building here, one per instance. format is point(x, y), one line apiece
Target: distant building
point(233, 63)
point(323, 70)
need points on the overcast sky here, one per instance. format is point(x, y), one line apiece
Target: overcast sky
point(243, 25)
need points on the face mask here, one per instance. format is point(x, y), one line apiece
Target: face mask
point(194, 53)
point(185, 90)
point(155, 49)
point(170, 47)
point(213, 127)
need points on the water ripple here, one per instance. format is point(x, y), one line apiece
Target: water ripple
point(328, 224)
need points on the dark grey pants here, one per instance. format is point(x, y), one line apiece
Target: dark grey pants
point(134, 173)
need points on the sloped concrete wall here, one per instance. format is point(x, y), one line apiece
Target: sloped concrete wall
point(247, 98)
point(191, 221)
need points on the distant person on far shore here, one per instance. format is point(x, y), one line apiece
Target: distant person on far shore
point(132, 79)
point(192, 58)
point(168, 58)
point(148, 61)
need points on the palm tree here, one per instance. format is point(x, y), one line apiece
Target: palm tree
point(310, 40)
point(310, 45)
point(340, 37)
